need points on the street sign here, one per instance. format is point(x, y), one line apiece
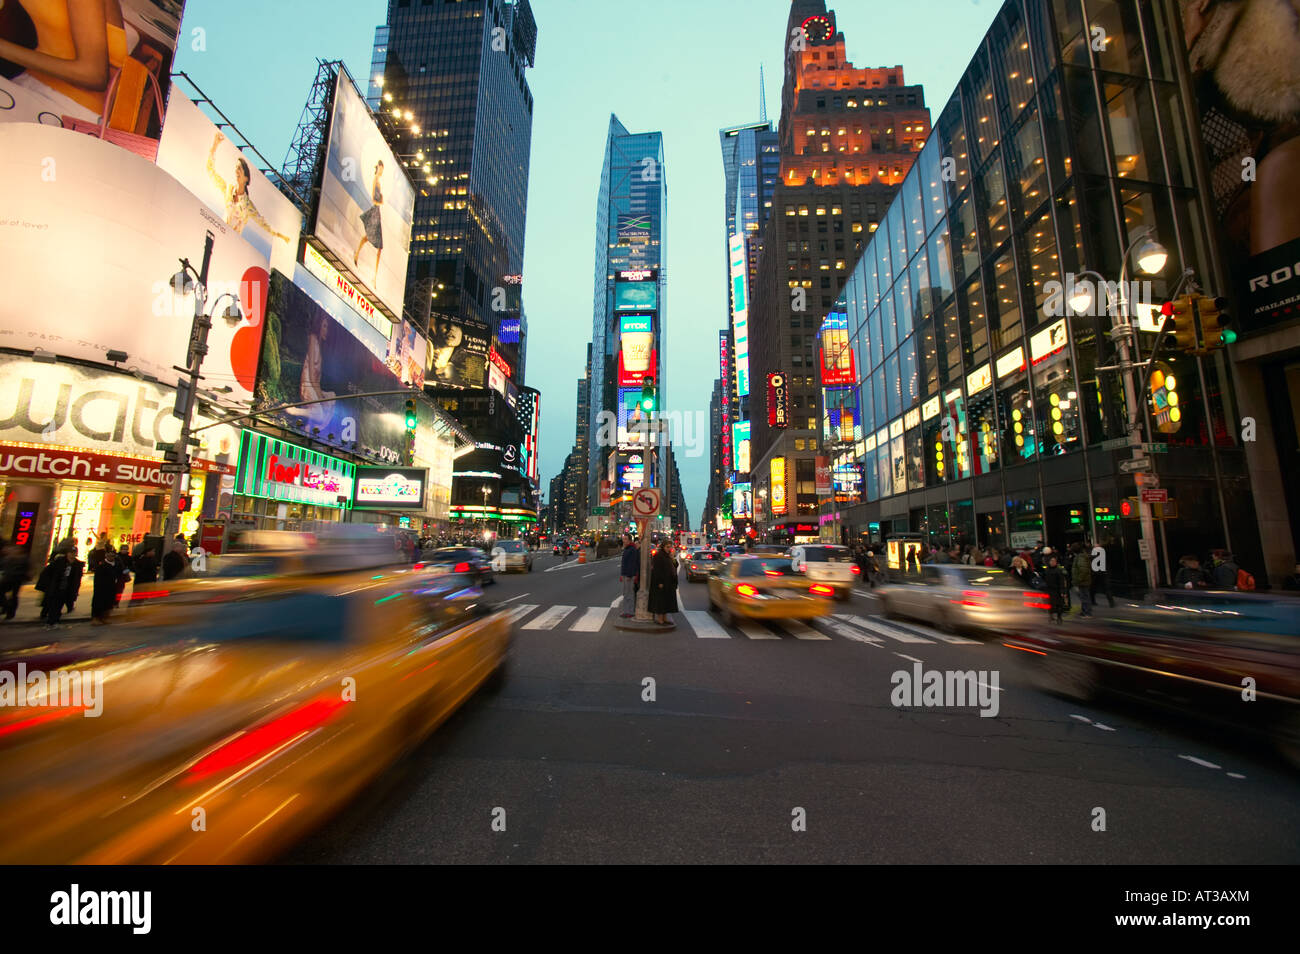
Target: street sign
point(599, 511)
point(1151, 495)
point(1156, 448)
point(645, 502)
point(1146, 480)
point(170, 468)
point(1144, 549)
point(165, 448)
point(1115, 443)
point(1133, 466)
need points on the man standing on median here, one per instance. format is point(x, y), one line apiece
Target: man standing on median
point(628, 571)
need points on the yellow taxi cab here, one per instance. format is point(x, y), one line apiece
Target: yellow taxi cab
point(233, 714)
point(766, 587)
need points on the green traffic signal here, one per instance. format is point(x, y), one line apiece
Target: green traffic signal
point(1228, 337)
point(411, 419)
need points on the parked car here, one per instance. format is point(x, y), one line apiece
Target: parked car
point(466, 561)
point(760, 587)
point(512, 555)
point(1193, 650)
point(702, 564)
point(958, 597)
point(827, 564)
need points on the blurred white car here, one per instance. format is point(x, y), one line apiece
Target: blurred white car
point(827, 564)
point(957, 597)
point(511, 555)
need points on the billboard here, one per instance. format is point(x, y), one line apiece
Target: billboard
point(279, 470)
point(366, 200)
point(458, 352)
point(742, 500)
point(634, 227)
point(96, 247)
point(740, 446)
point(1243, 60)
point(408, 352)
point(739, 312)
point(308, 356)
point(200, 157)
point(778, 400)
point(390, 488)
point(636, 296)
point(779, 505)
point(823, 477)
point(836, 355)
point(636, 352)
point(141, 42)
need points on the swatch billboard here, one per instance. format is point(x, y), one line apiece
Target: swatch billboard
point(58, 60)
point(366, 201)
point(308, 356)
point(203, 160)
point(96, 234)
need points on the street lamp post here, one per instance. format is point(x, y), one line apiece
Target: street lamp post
point(1151, 260)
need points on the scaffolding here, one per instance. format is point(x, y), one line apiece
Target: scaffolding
point(305, 159)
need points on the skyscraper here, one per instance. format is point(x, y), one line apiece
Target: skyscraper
point(848, 136)
point(459, 68)
point(628, 332)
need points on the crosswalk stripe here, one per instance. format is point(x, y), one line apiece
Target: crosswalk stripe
point(519, 612)
point(592, 620)
point(754, 631)
point(880, 630)
point(704, 625)
point(801, 630)
point(933, 634)
point(550, 618)
point(848, 632)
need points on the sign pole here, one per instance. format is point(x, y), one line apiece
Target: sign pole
point(643, 591)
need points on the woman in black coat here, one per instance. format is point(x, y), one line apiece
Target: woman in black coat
point(108, 575)
point(663, 584)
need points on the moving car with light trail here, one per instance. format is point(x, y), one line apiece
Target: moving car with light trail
point(958, 598)
point(763, 587)
point(512, 555)
point(827, 564)
point(701, 564)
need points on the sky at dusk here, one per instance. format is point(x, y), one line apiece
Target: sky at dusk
point(683, 67)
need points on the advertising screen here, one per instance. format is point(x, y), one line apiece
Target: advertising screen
point(140, 47)
point(636, 353)
point(390, 488)
point(739, 312)
point(778, 400)
point(308, 356)
point(742, 500)
point(1246, 101)
point(779, 505)
point(282, 471)
point(634, 227)
point(636, 296)
point(102, 240)
point(408, 352)
point(200, 157)
point(366, 200)
point(836, 355)
point(740, 446)
point(458, 352)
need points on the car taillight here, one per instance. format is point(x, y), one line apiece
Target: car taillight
point(821, 590)
point(150, 594)
point(856, 569)
point(970, 598)
point(803, 567)
point(419, 566)
point(1035, 601)
point(744, 589)
point(461, 568)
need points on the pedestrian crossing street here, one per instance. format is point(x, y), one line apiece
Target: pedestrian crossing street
point(534, 617)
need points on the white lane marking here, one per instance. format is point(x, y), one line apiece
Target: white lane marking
point(1081, 718)
point(910, 658)
point(801, 630)
point(512, 599)
point(592, 620)
point(933, 633)
point(550, 618)
point(1235, 775)
point(520, 611)
point(1104, 728)
point(882, 630)
point(862, 592)
point(754, 631)
point(704, 625)
point(848, 632)
point(1192, 758)
point(999, 689)
point(588, 575)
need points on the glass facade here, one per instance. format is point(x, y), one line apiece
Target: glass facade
point(1045, 162)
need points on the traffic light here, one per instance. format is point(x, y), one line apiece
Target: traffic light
point(1182, 315)
point(1215, 323)
point(183, 503)
point(647, 403)
point(411, 419)
point(1128, 508)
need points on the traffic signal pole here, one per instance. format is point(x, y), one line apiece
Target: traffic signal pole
point(1121, 332)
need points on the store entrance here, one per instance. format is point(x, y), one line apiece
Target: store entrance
point(84, 511)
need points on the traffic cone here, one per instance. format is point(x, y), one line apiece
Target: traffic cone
point(582, 555)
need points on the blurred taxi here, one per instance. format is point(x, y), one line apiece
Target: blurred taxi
point(470, 561)
point(1192, 650)
point(513, 555)
point(236, 712)
point(958, 597)
point(765, 587)
point(701, 564)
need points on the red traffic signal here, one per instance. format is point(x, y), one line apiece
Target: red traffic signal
point(183, 503)
point(1128, 507)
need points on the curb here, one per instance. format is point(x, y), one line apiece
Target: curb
point(642, 626)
